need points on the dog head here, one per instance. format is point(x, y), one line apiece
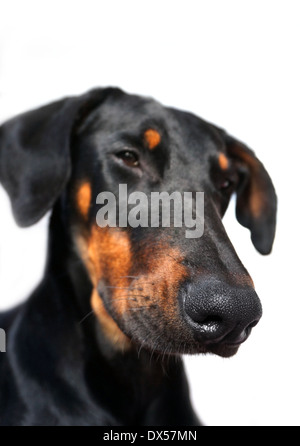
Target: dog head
point(155, 287)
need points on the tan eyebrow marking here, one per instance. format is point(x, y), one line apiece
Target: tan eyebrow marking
point(84, 195)
point(223, 161)
point(152, 138)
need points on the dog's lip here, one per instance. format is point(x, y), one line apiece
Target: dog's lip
point(240, 339)
point(223, 350)
point(232, 340)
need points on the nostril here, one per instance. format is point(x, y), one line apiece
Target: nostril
point(249, 327)
point(239, 337)
point(207, 320)
point(209, 326)
point(253, 324)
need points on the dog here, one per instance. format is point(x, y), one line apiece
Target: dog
point(99, 342)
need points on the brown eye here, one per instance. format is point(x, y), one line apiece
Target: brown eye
point(129, 158)
point(226, 185)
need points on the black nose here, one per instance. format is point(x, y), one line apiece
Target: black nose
point(219, 313)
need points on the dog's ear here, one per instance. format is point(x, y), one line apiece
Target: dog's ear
point(35, 160)
point(256, 201)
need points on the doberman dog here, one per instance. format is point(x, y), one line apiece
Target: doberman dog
point(99, 342)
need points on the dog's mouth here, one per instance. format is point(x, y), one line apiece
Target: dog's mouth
point(146, 330)
point(229, 345)
point(224, 350)
point(182, 346)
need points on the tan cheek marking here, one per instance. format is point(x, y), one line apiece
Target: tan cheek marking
point(84, 195)
point(152, 138)
point(164, 276)
point(109, 252)
point(108, 325)
point(223, 161)
point(107, 255)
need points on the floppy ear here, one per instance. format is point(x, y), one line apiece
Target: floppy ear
point(35, 161)
point(256, 201)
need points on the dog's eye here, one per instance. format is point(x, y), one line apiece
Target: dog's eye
point(226, 185)
point(129, 158)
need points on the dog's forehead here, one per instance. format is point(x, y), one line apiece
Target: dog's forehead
point(136, 114)
point(128, 112)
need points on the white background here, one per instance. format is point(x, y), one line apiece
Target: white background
point(235, 63)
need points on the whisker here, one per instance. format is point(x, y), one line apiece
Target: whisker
point(85, 317)
point(146, 282)
point(138, 308)
point(130, 297)
point(169, 255)
point(141, 346)
point(154, 346)
point(115, 300)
